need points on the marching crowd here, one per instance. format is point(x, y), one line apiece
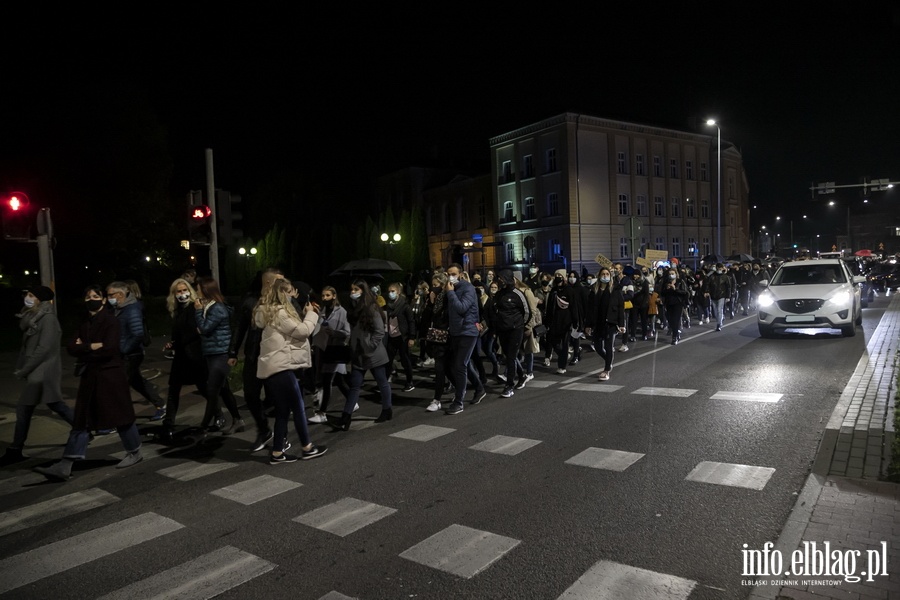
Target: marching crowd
point(294, 341)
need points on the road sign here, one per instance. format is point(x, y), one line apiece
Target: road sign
point(633, 227)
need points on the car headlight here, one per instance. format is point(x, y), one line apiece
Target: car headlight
point(765, 299)
point(841, 299)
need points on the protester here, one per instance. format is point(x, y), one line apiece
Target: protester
point(462, 308)
point(330, 341)
point(605, 318)
point(401, 332)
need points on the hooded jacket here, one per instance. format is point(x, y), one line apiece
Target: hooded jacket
point(285, 342)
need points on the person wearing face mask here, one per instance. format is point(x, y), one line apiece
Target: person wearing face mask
point(718, 289)
point(103, 399)
point(128, 311)
point(581, 292)
point(625, 282)
point(511, 313)
point(533, 280)
point(436, 319)
point(758, 274)
point(332, 338)
point(188, 366)
point(419, 302)
point(39, 364)
point(489, 337)
point(541, 295)
point(401, 332)
point(641, 303)
point(564, 314)
point(675, 297)
point(605, 318)
point(462, 308)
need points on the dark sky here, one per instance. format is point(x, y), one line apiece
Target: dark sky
point(807, 94)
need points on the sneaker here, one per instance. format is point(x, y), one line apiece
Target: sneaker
point(314, 452)
point(501, 377)
point(434, 406)
point(623, 348)
point(409, 387)
point(604, 376)
point(521, 383)
point(546, 362)
point(159, 415)
point(718, 328)
point(574, 360)
point(479, 396)
point(131, 459)
point(454, 409)
point(560, 371)
point(237, 426)
point(319, 417)
point(356, 407)
point(262, 441)
point(529, 377)
point(428, 362)
point(281, 458)
point(318, 399)
point(106, 431)
point(507, 393)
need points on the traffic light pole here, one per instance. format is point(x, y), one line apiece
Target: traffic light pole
point(211, 199)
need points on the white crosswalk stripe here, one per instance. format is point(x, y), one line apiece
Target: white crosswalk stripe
point(658, 391)
point(460, 550)
point(745, 476)
point(345, 516)
point(194, 470)
point(204, 577)
point(51, 510)
point(608, 580)
point(256, 489)
point(747, 396)
point(66, 554)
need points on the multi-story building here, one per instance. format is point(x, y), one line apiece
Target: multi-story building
point(566, 189)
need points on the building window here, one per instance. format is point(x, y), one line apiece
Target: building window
point(529, 208)
point(704, 209)
point(482, 213)
point(657, 166)
point(507, 172)
point(704, 174)
point(639, 164)
point(676, 246)
point(553, 204)
point(673, 168)
point(660, 243)
point(621, 164)
point(528, 167)
point(706, 247)
point(551, 160)
point(676, 207)
point(659, 209)
point(688, 169)
point(641, 205)
point(507, 212)
point(623, 247)
point(623, 204)
point(692, 246)
point(555, 249)
point(689, 208)
point(510, 253)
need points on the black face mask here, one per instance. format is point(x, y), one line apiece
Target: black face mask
point(93, 305)
point(328, 303)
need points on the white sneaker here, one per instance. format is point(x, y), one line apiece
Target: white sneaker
point(318, 400)
point(529, 377)
point(356, 407)
point(622, 348)
point(560, 371)
point(434, 406)
point(546, 362)
point(429, 362)
point(319, 417)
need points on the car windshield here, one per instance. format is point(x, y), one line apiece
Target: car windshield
point(809, 274)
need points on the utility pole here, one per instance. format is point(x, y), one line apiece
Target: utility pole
point(211, 199)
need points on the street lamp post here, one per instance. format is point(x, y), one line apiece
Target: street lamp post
point(389, 241)
point(718, 184)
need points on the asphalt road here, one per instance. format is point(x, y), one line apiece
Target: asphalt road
point(529, 515)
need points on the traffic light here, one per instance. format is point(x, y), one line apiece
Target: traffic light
point(18, 218)
point(229, 218)
point(199, 217)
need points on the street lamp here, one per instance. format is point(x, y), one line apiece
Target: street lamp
point(248, 253)
point(389, 241)
point(718, 184)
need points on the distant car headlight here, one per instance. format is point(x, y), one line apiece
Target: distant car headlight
point(841, 299)
point(765, 299)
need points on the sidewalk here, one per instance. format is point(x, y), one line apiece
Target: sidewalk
point(843, 504)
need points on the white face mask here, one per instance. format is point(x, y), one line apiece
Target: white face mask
point(183, 297)
point(29, 302)
point(673, 277)
point(591, 281)
point(112, 301)
point(604, 280)
point(356, 295)
point(392, 295)
point(572, 280)
point(375, 290)
point(454, 279)
point(532, 270)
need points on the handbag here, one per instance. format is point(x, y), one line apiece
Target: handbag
point(337, 354)
point(437, 336)
point(394, 327)
point(628, 305)
point(539, 330)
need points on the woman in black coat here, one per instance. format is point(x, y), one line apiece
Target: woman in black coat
point(104, 397)
point(401, 331)
point(605, 318)
point(675, 296)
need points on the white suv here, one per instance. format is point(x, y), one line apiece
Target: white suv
point(811, 294)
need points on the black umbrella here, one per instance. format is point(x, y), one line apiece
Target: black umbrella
point(741, 258)
point(367, 266)
point(712, 258)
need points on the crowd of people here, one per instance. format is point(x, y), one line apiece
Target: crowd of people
point(295, 342)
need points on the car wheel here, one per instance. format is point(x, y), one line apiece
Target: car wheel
point(766, 331)
point(859, 318)
point(848, 330)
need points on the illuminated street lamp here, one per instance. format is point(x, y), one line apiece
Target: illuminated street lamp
point(712, 122)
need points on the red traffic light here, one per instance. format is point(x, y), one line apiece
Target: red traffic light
point(200, 213)
point(15, 203)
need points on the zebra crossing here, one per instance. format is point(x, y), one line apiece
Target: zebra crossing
point(458, 550)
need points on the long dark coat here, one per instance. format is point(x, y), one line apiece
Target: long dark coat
point(104, 398)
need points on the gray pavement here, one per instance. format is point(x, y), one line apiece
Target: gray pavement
point(844, 510)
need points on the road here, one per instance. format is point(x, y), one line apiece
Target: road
point(559, 491)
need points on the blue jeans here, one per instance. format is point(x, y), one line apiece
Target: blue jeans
point(355, 381)
point(284, 390)
point(76, 445)
point(217, 385)
point(24, 412)
point(461, 347)
point(719, 309)
point(604, 343)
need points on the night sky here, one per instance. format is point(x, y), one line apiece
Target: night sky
point(807, 95)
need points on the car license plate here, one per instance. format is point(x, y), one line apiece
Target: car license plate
point(800, 319)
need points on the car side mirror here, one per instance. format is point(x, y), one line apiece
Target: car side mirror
point(764, 282)
point(857, 279)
